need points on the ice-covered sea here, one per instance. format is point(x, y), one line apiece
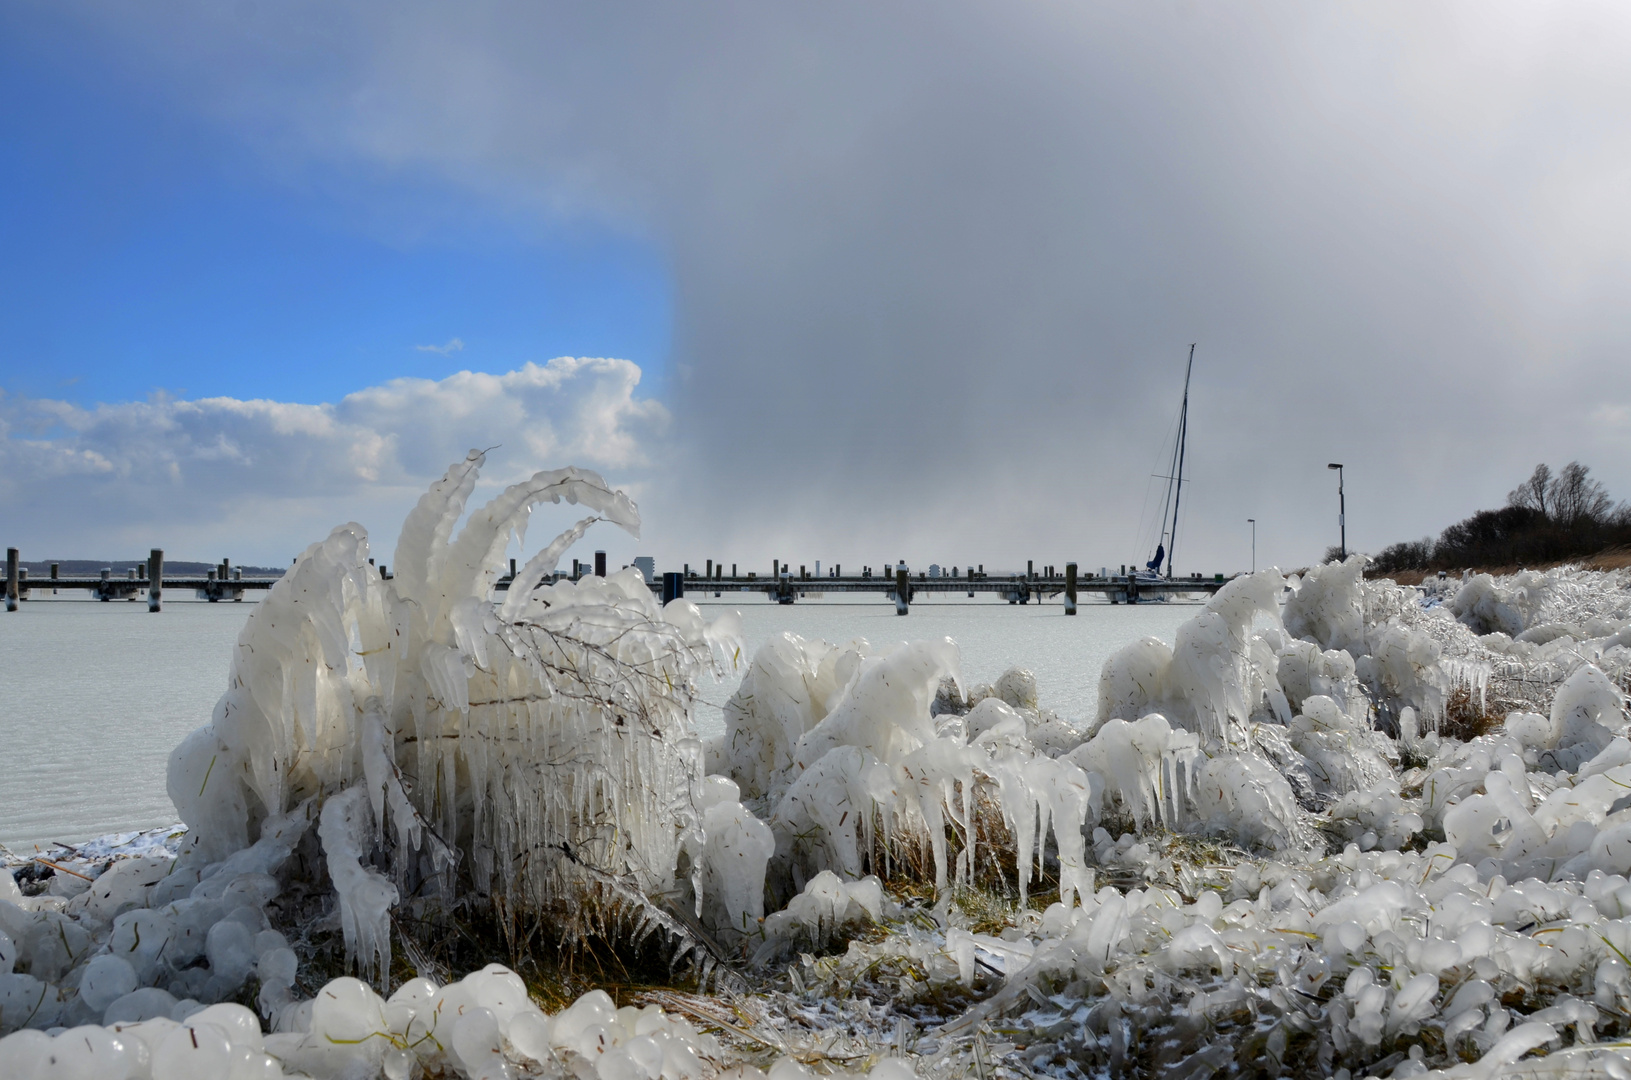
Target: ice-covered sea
point(93, 697)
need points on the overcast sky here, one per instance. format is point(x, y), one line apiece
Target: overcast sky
point(868, 281)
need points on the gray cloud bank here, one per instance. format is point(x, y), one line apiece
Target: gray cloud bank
point(937, 265)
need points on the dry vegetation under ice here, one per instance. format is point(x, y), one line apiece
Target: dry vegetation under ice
point(1335, 826)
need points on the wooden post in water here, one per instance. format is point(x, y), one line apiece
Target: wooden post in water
point(155, 579)
point(600, 564)
point(1070, 588)
point(901, 585)
point(11, 579)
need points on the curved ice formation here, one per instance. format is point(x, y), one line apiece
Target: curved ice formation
point(802, 681)
point(1327, 606)
point(409, 738)
point(821, 912)
point(1214, 679)
point(738, 846)
point(548, 724)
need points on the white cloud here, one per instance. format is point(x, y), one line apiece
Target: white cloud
point(173, 467)
point(453, 345)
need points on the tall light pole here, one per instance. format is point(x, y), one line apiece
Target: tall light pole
point(1342, 508)
point(1253, 523)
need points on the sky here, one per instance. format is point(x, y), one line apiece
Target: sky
point(848, 282)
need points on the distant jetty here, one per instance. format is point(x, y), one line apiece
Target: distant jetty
point(226, 582)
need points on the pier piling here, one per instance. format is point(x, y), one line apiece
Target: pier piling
point(155, 579)
point(901, 587)
point(11, 579)
point(1070, 588)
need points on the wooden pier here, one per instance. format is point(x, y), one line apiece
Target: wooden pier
point(903, 586)
point(225, 582)
point(783, 585)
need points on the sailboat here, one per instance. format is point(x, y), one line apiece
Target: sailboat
point(1166, 541)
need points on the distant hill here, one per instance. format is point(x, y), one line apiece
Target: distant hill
point(177, 568)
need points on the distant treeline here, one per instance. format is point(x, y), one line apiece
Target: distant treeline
point(1549, 518)
point(178, 568)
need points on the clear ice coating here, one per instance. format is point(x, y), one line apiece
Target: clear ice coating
point(1421, 798)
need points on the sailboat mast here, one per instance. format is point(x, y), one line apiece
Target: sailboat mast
point(1183, 437)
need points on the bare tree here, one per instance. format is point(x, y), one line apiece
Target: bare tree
point(1533, 493)
point(1577, 499)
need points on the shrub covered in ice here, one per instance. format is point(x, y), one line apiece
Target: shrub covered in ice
point(1215, 678)
point(1404, 668)
point(737, 849)
point(801, 682)
point(1326, 606)
point(1487, 607)
point(410, 737)
point(1304, 670)
point(556, 723)
point(826, 909)
point(1342, 752)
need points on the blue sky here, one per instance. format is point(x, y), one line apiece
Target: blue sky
point(148, 249)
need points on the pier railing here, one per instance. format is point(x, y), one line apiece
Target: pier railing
point(903, 586)
point(227, 582)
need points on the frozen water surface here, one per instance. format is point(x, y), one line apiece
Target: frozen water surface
point(95, 697)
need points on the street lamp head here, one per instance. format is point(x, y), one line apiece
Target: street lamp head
point(1251, 521)
point(1334, 465)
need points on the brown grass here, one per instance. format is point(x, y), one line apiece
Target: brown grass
point(1614, 558)
point(1466, 718)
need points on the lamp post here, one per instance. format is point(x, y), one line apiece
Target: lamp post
point(1253, 523)
point(1342, 509)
